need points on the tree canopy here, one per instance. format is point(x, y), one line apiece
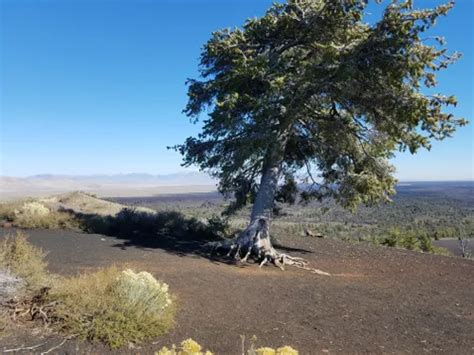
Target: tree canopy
point(338, 96)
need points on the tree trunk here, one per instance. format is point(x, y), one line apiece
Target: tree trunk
point(263, 205)
point(255, 240)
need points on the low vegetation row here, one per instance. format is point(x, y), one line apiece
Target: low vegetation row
point(197, 224)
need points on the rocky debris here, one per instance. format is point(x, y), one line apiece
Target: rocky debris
point(312, 234)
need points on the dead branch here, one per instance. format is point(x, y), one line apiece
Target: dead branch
point(310, 233)
point(33, 347)
point(60, 344)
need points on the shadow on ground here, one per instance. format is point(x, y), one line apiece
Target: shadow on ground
point(168, 230)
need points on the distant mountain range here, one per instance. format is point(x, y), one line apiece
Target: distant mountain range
point(124, 185)
point(187, 178)
point(105, 185)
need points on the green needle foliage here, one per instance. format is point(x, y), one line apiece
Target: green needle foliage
point(334, 94)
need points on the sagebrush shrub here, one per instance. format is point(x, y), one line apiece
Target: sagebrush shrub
point(113, 307)
point(142, 292)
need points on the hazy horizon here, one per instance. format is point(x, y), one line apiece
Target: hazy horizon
point(185, 173)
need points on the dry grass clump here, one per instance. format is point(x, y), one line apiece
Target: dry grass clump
point(7, 210)
point(113, 307)
point(4, 323)
point(53, 220)
point(24, 261)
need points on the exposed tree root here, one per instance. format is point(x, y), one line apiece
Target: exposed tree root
point(254, 242)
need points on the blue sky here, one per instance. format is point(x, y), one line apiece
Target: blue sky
point(98, 86)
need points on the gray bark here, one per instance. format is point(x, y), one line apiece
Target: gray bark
point(264, 201)
point(255, 239)
point(263, 205)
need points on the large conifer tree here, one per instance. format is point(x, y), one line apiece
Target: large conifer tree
point(311, 87)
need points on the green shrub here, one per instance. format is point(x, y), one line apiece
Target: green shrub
point(23, 260)
point(218, 225)
point(130, 223)
point(114, 307)
point(411, 239)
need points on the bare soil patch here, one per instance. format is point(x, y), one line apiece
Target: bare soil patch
point(383, 300)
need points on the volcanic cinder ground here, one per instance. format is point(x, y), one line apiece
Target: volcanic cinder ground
point(378, 300)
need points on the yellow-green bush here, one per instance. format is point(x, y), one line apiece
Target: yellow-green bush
point(23, 260)
point(285, 350)
point(112, 306)
point(441, 251)
point(188, 347)
point(191, 347)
